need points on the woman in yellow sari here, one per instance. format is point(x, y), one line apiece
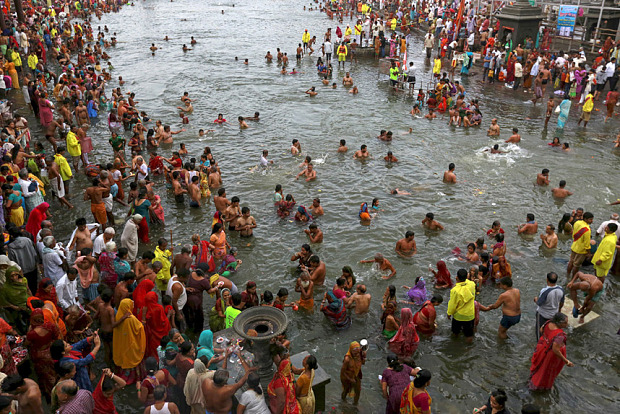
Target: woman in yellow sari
point(9, 68)
point(218, 241)
point(128, 343)
point(303, 386)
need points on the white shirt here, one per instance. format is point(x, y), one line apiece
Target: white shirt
point(99, 244)
point(263, 161)
point(610, 68)
point(183, 298)
point(52, 266)
point(67, 292)
point(328, 47)
point(254, 403)
point(518, 70)
point(601, 228)
point(439, 23)
point(143, 171)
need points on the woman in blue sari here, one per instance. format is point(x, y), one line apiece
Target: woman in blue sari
point(564, 110)
point(335, 311)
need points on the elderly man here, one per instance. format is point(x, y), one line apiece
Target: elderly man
point(102, 240)
point(383, 264)
point(612, 219)
point(30, 190)
point(218, 393)
point(129, 237)
point(54, 265)
point(74, 400)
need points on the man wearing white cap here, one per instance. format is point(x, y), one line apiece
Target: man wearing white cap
point(129, 238)
point(102, 240)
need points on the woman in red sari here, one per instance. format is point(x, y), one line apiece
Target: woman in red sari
point(139, 294)
point(406, 340)
point(157, 324)
point(550, 355)
point(424, 319)
point(281, 390)
point(39, 339)
point(47, 292)
point(36, 217)
point(443, 278)
point(8, 367)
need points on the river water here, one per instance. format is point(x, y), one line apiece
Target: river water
point(490, 187)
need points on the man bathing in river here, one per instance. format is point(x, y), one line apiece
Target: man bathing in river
point(510, 301)
point(406, 246)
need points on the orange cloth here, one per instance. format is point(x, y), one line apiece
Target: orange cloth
point(306, 303)
point(99, 213)
point(129, 340)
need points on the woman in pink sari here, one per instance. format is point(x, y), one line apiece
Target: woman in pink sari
point(45, 110)
point(406, 340)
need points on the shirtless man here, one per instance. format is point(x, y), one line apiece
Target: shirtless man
point(269, 57)
point(406, 247)
point(246, 223)
point(390, 157)
point(242, 123)
point(181, 260)
point(220, 201)
point(430, 223)
point(187, 109)
point(362, 153)
point(561, 192)
point(542, 178)
point(256, 117)
point(50, 133)
point(592, 286)
point(431, 114)
point(360, 300)
point(449, 176)
point(343, 146)
point(81, 114)
point(176, 187)
point(309, 173)
point(383, 264)
point(306, 289)
point(515, 138)
point(95, 194)
point(549, 239)
point(166, 135)
point(317, 270)
point(82, 237)
point(194, 192)
point(316, 208)
point(314, 233)
point(26, 392)
point(494, 150)
point(232, 214)
point(510, 301)
point(56, 181)
point(215, 179)
point(218, 393)
point(531, 227)
point(347, 80)
point(107, 322)
point(493, 130)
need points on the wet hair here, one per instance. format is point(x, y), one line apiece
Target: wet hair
point(267, 297)
point(57, 349)
point(306, 247)
point(220, 377)
point(430, 216)
point(80, 222)
point(438, 299)
point(451, 166)
point(422, 378)
point(613, 227)
point(343, 142)
point(530, 217)
point(392, 290)
point(562, 183)
point(562, 223)
point(278, 187)
point(151, 365)
point(552, 277)
point(499, 237)
point(314, 259)
point(506, 281)
point(500, 397)
point(559, 318)
point(545, 171)
point(341, 281)
point(472, 245)
point(254, 383)
point(461, 275)
point(587, 215)
point(235, 199)
point(394, 363)
point(236, 298)
point(282, 292)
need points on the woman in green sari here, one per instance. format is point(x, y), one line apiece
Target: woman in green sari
point(217, 320)
point(13, 298)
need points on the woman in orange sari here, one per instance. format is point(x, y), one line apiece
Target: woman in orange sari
point(51, 315)
point(424, 319)
point(218, 241)
point(281, 390)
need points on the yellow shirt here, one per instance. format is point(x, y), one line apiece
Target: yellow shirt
point(605, 253)
point(588, 105)
point(582, 244)
point(73, 145)
point(461, 305)
point(63, 167)
point(342, 49)
point(305, 37)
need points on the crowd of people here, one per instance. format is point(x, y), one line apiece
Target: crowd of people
point(103, 300)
